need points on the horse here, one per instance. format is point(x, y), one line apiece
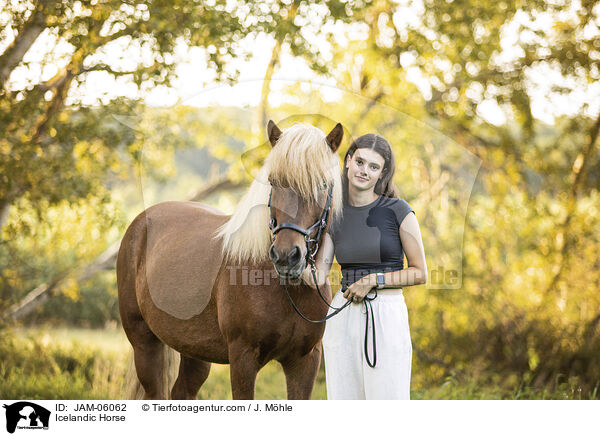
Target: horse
point(211, 286)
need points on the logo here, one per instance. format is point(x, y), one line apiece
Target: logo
point(26, 415)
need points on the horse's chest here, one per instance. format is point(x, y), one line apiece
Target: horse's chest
point(271, 328)
point(294, 338)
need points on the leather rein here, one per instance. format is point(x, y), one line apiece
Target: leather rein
point(312, 247)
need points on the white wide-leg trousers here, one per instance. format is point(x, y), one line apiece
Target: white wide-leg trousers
point(348, 376)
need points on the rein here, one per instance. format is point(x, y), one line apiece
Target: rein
point(312, 246)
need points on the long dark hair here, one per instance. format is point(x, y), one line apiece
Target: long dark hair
point(385, 185)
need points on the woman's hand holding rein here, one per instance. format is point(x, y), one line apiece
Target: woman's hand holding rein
point(357, 291)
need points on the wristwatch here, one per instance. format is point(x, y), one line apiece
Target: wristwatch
point(380, 280)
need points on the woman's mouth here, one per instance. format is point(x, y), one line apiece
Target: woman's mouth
point(361, 178)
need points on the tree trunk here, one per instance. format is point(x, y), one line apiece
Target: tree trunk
point(13, 55)
point(266, 88)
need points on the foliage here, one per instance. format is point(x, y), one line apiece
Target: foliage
point(48, 126)
point(36, 367)
point(91, 304)
point(49, 133)
point(528, 300)
point(43, 245)
point(42, 240)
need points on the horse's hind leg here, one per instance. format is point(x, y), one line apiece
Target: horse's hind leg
point(149, 355)
point(192, 374)
point(301, 373)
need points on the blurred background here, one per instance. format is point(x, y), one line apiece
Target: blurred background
point(492, 108)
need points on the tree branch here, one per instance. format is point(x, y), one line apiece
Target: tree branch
point(107, 68)
point(53, 83)
point(102, 40)
point(56, 105)
point(221, 185)
point(12, 56)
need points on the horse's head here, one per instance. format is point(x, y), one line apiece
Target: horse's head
point(305, 187)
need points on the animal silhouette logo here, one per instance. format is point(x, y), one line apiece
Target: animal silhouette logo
point(24, 414)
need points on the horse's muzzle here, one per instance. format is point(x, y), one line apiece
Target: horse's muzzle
point(290, 265)
point(291, 274)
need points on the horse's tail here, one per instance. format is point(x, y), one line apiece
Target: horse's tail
point(133, 388)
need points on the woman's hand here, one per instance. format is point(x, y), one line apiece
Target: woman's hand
point(357, 291)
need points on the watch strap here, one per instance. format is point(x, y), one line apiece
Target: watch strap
point(380, 280)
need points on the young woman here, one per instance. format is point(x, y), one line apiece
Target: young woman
point(369, 243)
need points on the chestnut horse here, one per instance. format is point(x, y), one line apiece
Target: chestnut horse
point(210, 285)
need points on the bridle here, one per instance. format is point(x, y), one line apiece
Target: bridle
point(312, 247)
point(312, 244)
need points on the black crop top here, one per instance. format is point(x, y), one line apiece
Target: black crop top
point(367, 238)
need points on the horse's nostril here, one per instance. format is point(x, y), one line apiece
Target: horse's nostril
point(273, 254)
point(294, 256)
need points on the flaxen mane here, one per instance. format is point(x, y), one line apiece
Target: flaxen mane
point(302, 160)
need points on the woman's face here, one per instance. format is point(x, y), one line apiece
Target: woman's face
point(364, 168)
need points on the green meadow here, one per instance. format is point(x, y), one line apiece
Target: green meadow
point(75, 363)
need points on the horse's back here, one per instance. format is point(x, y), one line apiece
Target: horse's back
point(181, 255)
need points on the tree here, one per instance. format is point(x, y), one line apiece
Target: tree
point(530, 275)
point(457, 47)
point(50, 139)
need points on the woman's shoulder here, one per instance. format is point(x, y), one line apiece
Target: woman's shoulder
point(394, 202)
point(400, 207)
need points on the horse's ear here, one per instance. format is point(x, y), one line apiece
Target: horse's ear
point(273, 132)
point(334, 139)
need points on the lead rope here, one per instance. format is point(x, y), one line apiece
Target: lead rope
point(368, 306)
point(367, 300)
point(337, 310)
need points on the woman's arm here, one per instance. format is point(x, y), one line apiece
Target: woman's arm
point(414, 274)
point(412, 243)
point(323, 262)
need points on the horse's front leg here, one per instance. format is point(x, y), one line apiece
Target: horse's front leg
point(301, 373)
point(243, 368)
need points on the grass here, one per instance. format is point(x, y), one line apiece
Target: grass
point(110, 340)
point(496, 387)
point(48, 364)
point(70, 363)
point(35, 367)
